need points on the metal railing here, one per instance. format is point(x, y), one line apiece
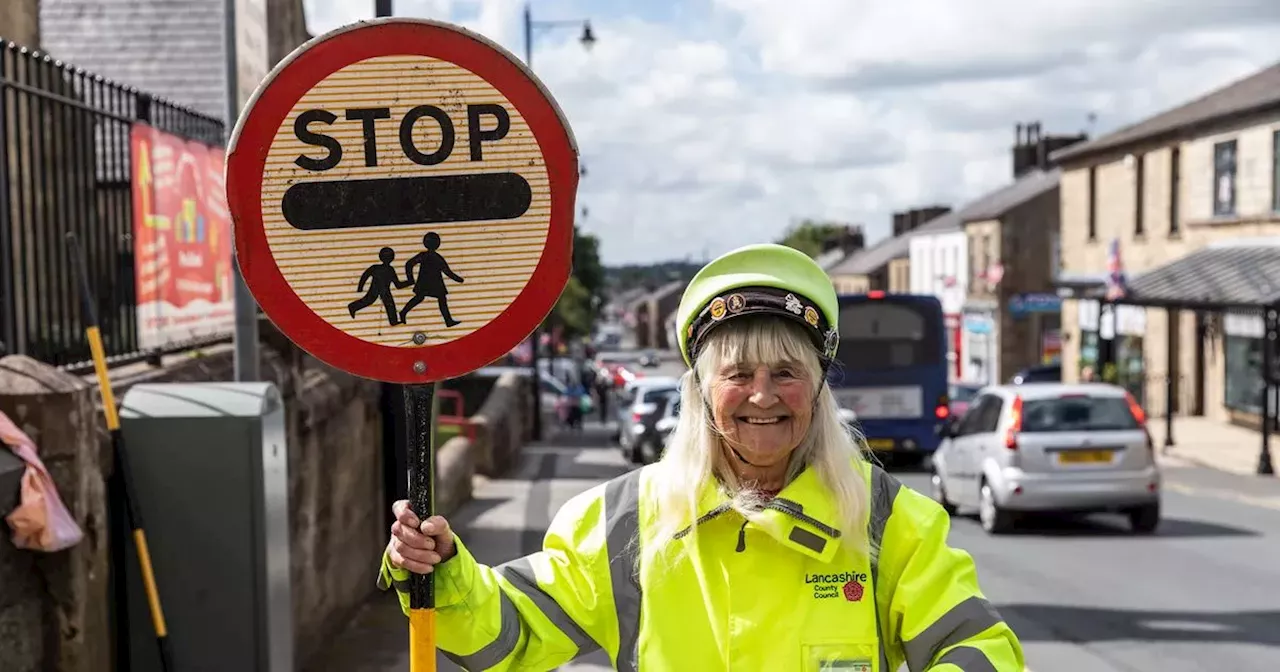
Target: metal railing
point(65, 167)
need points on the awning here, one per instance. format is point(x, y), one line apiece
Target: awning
point(1235, 274)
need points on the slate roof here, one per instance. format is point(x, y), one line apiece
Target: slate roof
point(169, 48)
point(1001, 201)
point(1255, 94)
point(989, 206)
point(1238, 273)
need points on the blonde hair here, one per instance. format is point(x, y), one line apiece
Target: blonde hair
point(694, 455)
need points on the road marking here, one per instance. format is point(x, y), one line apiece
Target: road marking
point(1265, 502)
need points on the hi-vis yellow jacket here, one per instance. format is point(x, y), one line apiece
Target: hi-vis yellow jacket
point(776, 594)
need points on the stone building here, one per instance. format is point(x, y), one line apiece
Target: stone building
point(1187, 205)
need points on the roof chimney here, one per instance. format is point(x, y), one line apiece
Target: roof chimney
point(1033, 148)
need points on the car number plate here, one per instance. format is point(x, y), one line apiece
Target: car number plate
point(1084, 456)
point(880, 444)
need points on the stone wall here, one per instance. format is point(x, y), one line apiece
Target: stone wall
point(54, 606)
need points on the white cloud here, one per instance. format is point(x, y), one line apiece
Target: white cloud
point(714, 123)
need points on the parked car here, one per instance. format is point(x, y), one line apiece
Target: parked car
point(1049, 373)
point(649, 359)
point(960, 395)
point(638, 409)
point(1049, 448)
point(667, 423)
point(647, 440)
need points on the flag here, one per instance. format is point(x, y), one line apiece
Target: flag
point(1117, 284)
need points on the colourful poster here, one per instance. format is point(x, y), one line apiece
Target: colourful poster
point(182, 239)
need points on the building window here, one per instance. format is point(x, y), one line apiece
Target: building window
point(1175, 184)
point(1224, 178)
point(1139, 184)
point(1242, 390)
point(1275, 171)
point(1093, 202)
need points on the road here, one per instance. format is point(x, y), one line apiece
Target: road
point(1082, 594)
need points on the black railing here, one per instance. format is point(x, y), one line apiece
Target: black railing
point(65, 167)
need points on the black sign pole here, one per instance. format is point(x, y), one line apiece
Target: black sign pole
point(1265, 466)
point(419, 422)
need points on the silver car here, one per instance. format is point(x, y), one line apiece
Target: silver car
point(1049, 447)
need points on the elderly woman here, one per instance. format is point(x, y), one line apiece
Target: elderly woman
point(762, 540)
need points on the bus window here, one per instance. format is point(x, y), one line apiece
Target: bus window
point(887, 335)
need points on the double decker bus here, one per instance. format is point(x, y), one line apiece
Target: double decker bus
point(891, 371)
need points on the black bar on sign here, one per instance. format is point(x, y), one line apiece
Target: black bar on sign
point(316, 206)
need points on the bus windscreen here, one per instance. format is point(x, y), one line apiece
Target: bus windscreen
point(877, 335)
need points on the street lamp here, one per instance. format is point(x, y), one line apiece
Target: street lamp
point(587, 39)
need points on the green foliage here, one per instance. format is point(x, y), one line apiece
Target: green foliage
point(576, 310)
point(811, 236)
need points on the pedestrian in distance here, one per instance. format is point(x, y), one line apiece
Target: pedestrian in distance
point(763, 539)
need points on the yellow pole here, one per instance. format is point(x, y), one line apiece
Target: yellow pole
point(90, 316)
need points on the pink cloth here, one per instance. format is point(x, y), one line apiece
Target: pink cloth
point(41, 522)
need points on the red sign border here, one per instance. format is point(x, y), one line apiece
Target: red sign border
point(246, 159)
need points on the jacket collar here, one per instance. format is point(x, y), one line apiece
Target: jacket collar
point(802, 517)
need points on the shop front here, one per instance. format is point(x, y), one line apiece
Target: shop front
point(1243, 363)
point(1043, 312)
point(981, 361)
point(1111, 345)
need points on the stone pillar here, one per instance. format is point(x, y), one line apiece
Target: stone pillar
point(54, 611)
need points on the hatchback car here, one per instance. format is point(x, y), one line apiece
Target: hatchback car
point(1049, 448)
point(638, 409)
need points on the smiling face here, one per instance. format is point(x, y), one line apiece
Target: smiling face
point(761, 391)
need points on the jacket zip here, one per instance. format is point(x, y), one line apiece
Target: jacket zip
point(713, 513)
point(793, 510)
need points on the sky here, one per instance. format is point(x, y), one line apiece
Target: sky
point(704, 125)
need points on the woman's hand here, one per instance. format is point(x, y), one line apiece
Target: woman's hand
point(418, 546)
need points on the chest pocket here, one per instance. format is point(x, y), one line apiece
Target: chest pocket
point(843, 656)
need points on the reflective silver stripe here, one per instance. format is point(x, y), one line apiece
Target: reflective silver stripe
point(622, 525)
point(884, 490)
point(962, 622)
point(493, 653)
point(967, 658)
point(386, 580)
point(520, 573)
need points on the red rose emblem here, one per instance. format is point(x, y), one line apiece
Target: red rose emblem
point(853, 591)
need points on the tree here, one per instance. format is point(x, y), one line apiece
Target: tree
point(811, 236)
point(576, 310)
point(586, 263)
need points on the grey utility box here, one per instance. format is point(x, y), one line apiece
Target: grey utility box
point(210, 465)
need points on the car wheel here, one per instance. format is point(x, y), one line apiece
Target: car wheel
point(1145, 519)
point(940, 493)
point(994, 519)
point(649, 451)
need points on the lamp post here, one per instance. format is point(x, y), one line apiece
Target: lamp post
point(588, 39)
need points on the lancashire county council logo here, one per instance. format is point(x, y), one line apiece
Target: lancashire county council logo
point(853, 591)
point(736, 303)
point(717, 308)
point(811, 316)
